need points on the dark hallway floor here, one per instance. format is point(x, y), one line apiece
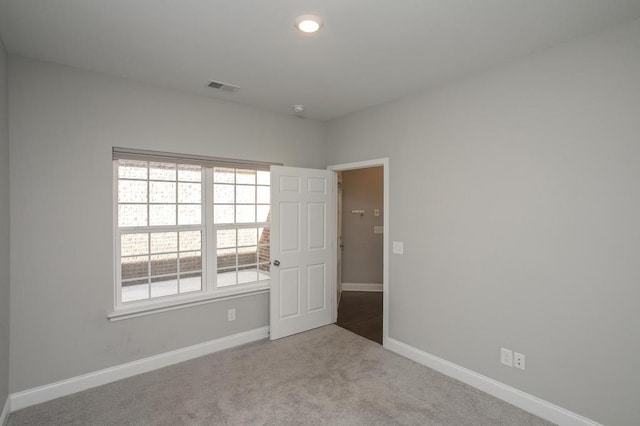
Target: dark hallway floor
point(361, 312)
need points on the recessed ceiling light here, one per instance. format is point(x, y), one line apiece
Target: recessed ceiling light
point(298, 109)
point(308, 23)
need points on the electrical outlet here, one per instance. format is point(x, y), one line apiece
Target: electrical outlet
point(518, 360)
point(231, 315)
point(506, 357)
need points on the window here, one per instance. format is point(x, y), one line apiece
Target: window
point(241, 218)
point(171, 213)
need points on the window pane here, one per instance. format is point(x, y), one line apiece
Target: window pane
point(225, 238)
point(245, 214)
point(135, 290)
point(134, 244)
point(264, 177)
point(162, 214)
point(189, 193)
point(162, 264)
point(189, 214)
point(264, 194)
point(190, 282)
point(132, 215)
point(189, 173)
point(263, 270)
point(162, 171)
point(247, 276)
point(226, 258)
point(190, 240)
point(224, 175)
point(223, 214)
point(131, 169)
point(245, 194)
point(263, 254)
point(134, 267)
point(247, 236)
point(164, 286)
point(263, 213)
point(132, 191)
point(190, 261)
point(163, 242)
point(264, 236)
point(245, 176)
point(223, 194)
point(247, 256)
point(226, 277)
point(162, 192)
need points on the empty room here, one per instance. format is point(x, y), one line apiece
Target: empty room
point(192, 192)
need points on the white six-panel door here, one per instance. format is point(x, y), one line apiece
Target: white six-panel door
point(302, 238)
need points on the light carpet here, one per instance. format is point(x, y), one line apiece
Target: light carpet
point(327, 376)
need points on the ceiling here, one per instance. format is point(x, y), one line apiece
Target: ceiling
point(369, 51)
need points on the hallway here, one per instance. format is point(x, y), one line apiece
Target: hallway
point(361, 313)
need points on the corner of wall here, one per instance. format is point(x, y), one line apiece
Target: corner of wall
point(5, 286)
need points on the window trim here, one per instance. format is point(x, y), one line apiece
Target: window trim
point(119, 153)
point(186, 301)
point(209, 293)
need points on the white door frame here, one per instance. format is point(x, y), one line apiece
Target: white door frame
point(384, 162)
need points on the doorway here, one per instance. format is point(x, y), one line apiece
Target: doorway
point(362, 248)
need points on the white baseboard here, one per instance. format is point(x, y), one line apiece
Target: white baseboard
point(377, 287)
point(513, 396)
point(86, 381)
point(4, 415)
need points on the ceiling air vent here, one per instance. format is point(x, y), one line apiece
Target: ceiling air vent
point(223, 86)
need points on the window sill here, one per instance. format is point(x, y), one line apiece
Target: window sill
point(122, 313)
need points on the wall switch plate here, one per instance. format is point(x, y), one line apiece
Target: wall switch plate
point(398, 247)
point(231, 315)
point(506, 357)
point(376, 212)
point(518, 360)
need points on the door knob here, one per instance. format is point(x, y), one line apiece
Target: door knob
point(276, 263)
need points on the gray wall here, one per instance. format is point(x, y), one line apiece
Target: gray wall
point(4, 229)
point(362, 189)
point(64, 122)
point(517, 195)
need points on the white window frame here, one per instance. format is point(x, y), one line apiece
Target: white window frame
point(209, 292)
